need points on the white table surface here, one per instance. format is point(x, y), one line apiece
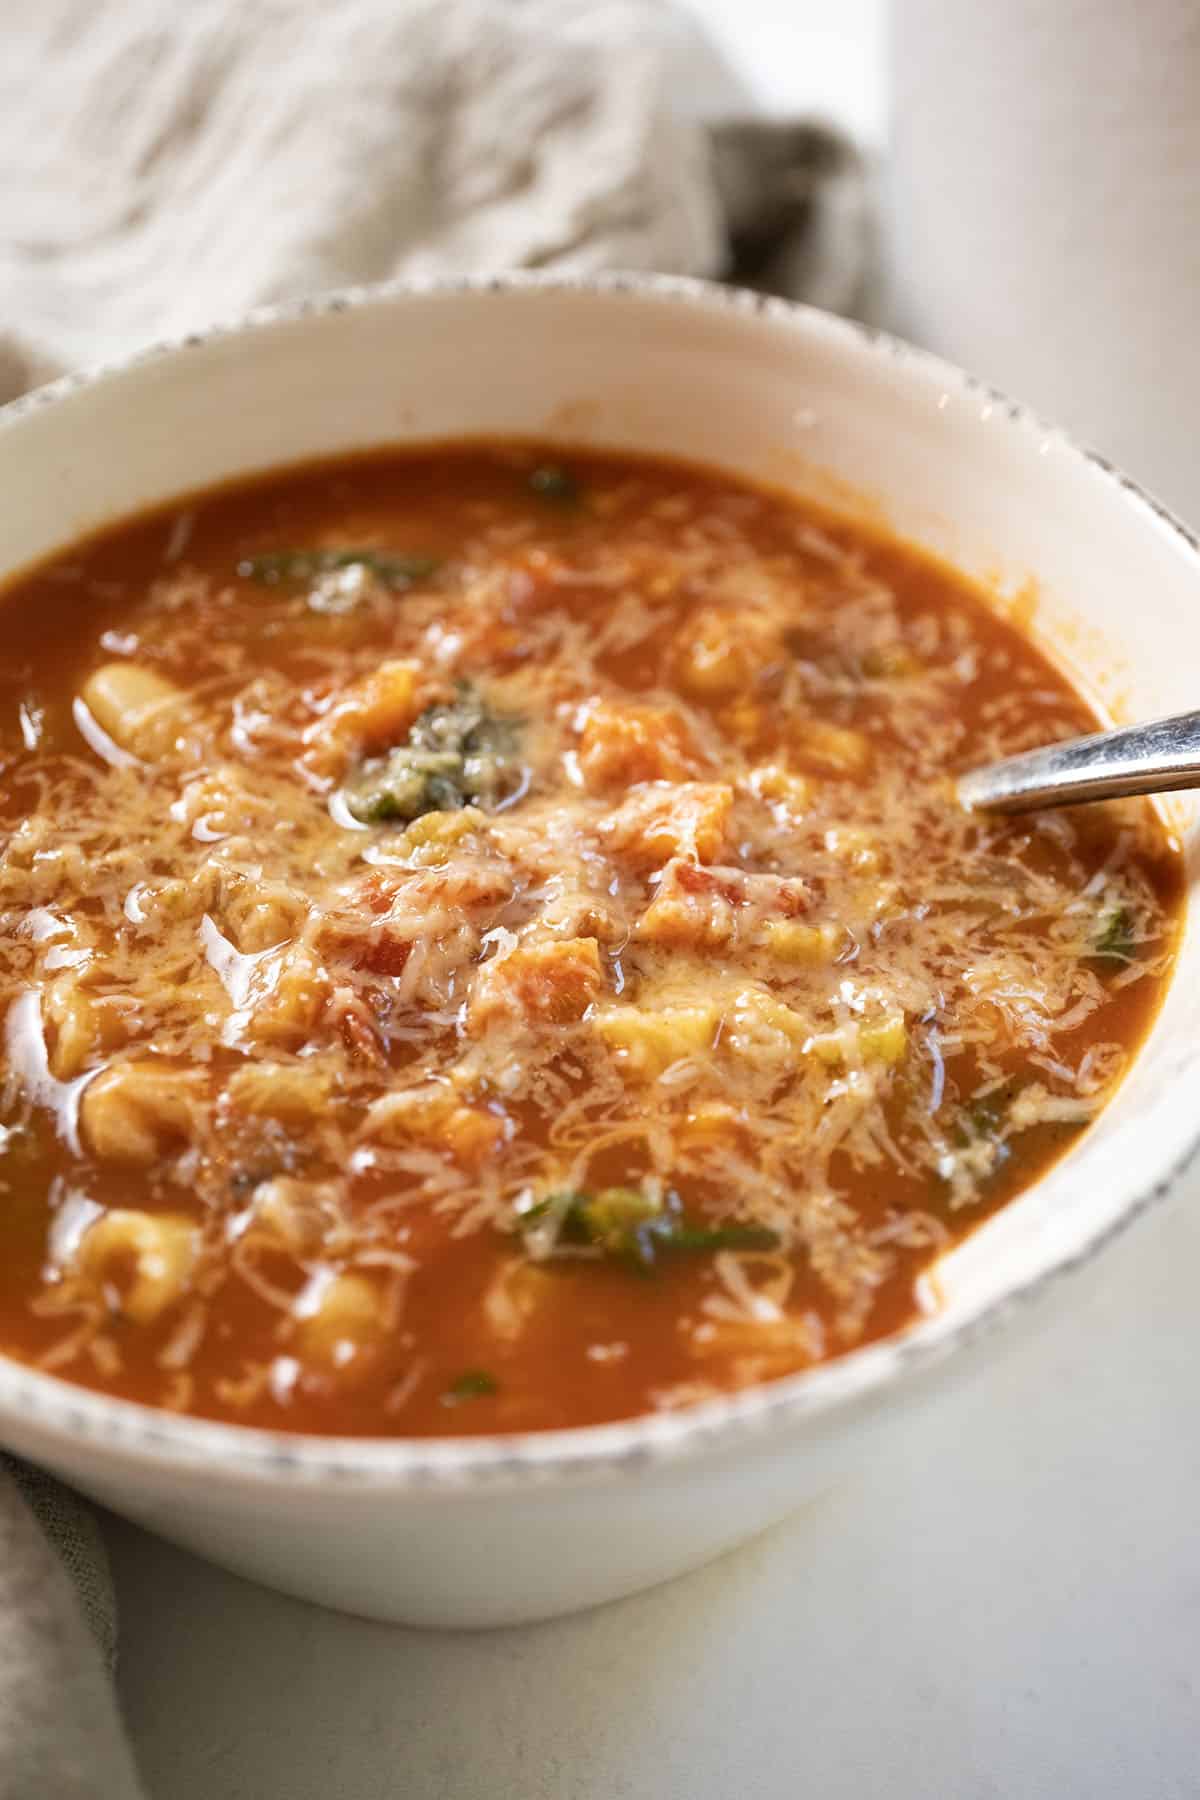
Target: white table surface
point(1009, 1608)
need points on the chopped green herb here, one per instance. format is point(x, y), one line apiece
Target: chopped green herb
point(636, 1228)
point(291, 568)
point(550, 481)
point(473, 1384)
point(457, 755)
point(983, 1119)
point(404, 784)
point(985, 1115)
point(1114, 941)
point(609, 1219)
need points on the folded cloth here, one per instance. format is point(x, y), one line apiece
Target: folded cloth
point(169, 165)
point(166, 166)
point(60, 1735)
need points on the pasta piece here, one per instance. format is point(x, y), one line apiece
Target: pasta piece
point(288, 1009)
point(884, 1040)
point(74, 1027)
point(338, 1318)
point(762, 1031)
point(295, 1093)
point(855, 847)
point(793, 942)
point(134, 1112)
point(787, 793)
point(141, 1261)
point(646, 1041)
point(155, 906)
point(431, 839)
point(709, 1124)
point(301, 1217)
point(138, 708)
point(472, 1134)
point(433, 1115)
point(881, 1041)
point(833, 749)
point(514, 1295)
point(262, 918)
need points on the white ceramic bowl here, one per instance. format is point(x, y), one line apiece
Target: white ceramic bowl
point(485, 1531)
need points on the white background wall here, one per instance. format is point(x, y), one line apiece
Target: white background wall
point(821, 56)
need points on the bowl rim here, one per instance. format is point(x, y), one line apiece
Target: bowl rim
point(57, 1411)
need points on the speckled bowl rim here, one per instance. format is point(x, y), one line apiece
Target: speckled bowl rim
point(56, 1409)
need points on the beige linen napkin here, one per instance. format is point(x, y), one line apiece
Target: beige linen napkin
point(171, 164)
point(60, 1735)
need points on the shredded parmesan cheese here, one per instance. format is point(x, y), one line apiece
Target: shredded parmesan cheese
point(302, 1095)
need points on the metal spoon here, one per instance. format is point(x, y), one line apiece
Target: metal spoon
point(1137, 759)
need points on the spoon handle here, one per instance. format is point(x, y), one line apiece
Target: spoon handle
point(1138, 759)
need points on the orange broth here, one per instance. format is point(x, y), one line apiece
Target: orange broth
point(488, 942)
